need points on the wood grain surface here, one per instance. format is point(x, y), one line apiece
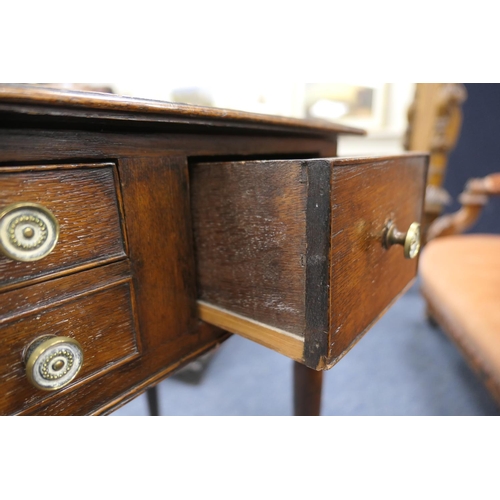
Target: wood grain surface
point(24, 300)
point(308, 385)
point(63, 144)
point(262, 241)
point(297, 245)
point(281, 341)
point(108, 335)
point(156, 206)
point(366, 277)
point(151, 145)
point(84, 202)
point(249, 225)
point(33, 100)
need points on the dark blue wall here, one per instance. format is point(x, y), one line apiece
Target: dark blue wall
point(478, 150)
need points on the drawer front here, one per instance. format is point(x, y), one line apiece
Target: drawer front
point(292, 254)
point(94, 307)
point(365, 276)
point(83, 200)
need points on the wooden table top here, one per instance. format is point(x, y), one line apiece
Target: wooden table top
point(24, 99)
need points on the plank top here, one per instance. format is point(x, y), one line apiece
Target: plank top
point(32, 100)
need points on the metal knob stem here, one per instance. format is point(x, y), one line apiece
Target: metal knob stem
point(409, 240)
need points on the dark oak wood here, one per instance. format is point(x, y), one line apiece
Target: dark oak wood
point(153, 405)
point(106, 393)
point(297, 245)
point(251, 235)
point(367, 278)
point(127, 289)
point(48, 102)
point(63, 145)
point(156, 206)
point(317, 290)
point(108, 335)
point(85, 204)
point(25, 300)
point(308, 385)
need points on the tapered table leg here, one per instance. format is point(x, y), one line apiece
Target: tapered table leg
point(152, 394)
point(307, 385)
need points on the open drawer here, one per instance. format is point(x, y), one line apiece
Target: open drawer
point(303, 256)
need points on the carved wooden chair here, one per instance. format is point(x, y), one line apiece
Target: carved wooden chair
point(460, 282)
point(434, 124)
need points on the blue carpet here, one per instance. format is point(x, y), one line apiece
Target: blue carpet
point(402, 366)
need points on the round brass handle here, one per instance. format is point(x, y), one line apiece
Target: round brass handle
point(409, 240)
point(28, 231)
point(53, 362)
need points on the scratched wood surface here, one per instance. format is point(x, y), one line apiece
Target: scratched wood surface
point(84, 202)
point(249, 226)
point(298, 245)
point(63, 104)
point(262, 240)
point(38, 145)
point(151, 146)
point(108, 335)
point(366, 277)
point(156, 202)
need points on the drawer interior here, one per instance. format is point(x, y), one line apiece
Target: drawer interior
point(291, 254)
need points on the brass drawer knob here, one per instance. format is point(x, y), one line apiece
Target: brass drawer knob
point(28, 232)
point(409, 240)
point(53, 362)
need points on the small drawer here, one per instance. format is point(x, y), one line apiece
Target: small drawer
point(297, 254)
point(93, 307)
point(81, 200)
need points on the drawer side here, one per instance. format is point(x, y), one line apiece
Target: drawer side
point(249, 224)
